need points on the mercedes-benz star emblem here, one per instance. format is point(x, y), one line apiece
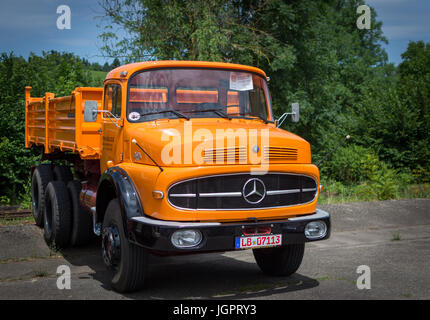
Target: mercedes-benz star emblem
point(254, 191)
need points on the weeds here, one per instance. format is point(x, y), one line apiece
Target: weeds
point(54, 249)
point(41, 273)
point(396, 237)
point(336, 192)
point(25, 198)
point(16, 221)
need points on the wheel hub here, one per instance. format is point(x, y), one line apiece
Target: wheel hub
point(111, 246)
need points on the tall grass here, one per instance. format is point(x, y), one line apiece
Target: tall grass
point(336, 192)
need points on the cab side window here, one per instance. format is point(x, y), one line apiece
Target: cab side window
point(113, 99)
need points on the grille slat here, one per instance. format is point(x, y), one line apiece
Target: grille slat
point(240, 154)
point(234, 154)
point(227, 192)
point(279, 153)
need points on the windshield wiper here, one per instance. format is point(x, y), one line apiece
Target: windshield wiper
point(251, 115)
point(179, 114)
point(211, 107)
point(216, 111)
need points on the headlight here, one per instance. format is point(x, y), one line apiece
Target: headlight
point(315, 230)
point(186, 238)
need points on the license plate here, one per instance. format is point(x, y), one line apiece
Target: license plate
point(247, 242)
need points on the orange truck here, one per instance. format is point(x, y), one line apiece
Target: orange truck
point(173, 157)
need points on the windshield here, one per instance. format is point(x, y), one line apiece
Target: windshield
point(197, 93)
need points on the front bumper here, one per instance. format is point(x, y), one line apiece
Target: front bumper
point(155, 234)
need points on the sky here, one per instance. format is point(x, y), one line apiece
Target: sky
point(402, 21)
point(31, 26)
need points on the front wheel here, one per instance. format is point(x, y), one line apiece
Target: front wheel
point(126, 262)
point(280, 261)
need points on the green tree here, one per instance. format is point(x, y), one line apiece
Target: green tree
point(314, 54)
point(312, 50)
point(394, 114)
point(53, 72)
point(193, 30)
point(115, 64)
point(414, 92)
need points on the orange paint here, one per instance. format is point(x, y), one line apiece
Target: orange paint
point(58, 124)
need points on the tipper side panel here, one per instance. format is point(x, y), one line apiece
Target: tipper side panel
point(35, 120)
point(58, 123)
point(61, 124)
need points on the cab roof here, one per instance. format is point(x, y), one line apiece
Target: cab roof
point(128, 69)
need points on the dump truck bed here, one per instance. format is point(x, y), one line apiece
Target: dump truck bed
point(58, 124)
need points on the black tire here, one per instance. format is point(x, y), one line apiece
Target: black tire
point(127, 268)
point(62, 173)
point(81, 218)
point(58, 216)
point(42, 175)
point(280, 261)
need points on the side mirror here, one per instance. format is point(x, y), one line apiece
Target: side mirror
point(295, 114)
point(90, 111)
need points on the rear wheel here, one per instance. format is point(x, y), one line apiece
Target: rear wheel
point(280, 261)
point(57, 215)
point(81, 219)
point(126, 262)
point(62, 173)
point(42, 175)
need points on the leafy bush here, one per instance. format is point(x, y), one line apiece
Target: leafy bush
point(421, 175)
point(4, 200)
point(375, 180)
point(383, 181)
point(346, 164)
point(15, 163)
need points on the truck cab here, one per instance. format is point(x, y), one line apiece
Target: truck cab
point(186, 157)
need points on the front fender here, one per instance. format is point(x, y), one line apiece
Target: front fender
point(115, 182)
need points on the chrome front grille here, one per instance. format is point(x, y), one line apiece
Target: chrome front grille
point(243, 191)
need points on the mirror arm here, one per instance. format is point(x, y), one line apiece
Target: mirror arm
point(295, 114)
point(111, 117)
point(282, 118)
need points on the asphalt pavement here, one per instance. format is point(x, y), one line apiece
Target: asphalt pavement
point(391, 238)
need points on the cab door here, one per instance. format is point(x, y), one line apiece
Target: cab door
point(113, 152)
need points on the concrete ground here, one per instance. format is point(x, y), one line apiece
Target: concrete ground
point(392, 238)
